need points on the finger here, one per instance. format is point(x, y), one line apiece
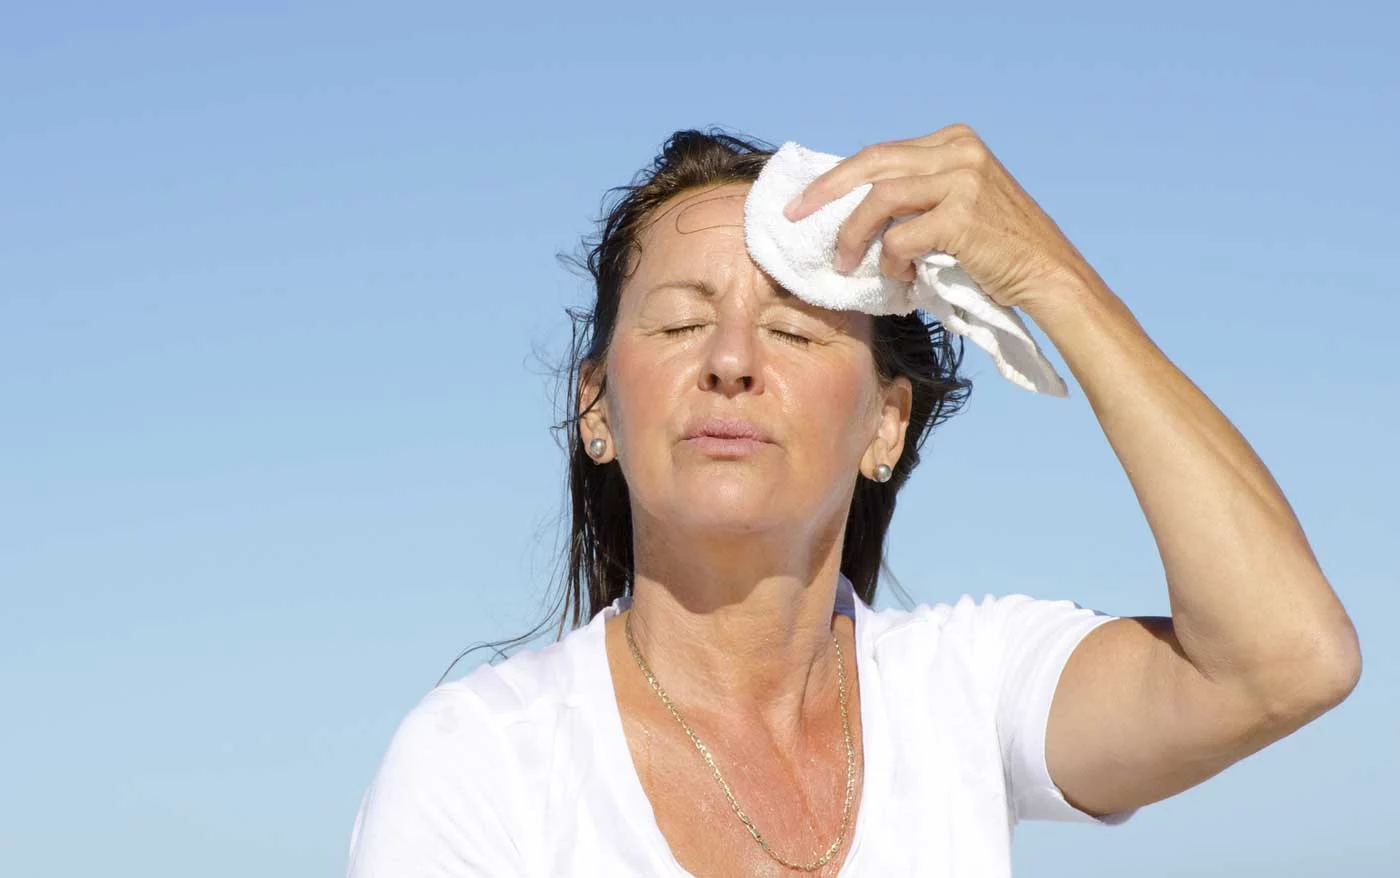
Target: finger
point(945, 135)
point(881, 161)
point(942, 137)
point(876, 162)
point(887, 198)
point(905, 243)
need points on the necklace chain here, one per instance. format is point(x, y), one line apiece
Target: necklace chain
point(714, 769)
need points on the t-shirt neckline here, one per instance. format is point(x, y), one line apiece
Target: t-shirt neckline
point(622, 773)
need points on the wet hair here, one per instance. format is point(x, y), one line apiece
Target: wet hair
point(598, 559)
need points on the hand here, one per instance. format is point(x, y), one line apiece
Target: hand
point(969, 206)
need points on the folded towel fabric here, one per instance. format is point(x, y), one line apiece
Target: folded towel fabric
point(799, 256)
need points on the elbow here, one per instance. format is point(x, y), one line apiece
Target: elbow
point(1330, 677)
point(1345, 668)
point(1340, 655)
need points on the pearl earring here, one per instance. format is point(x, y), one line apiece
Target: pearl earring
point(883, 472)
point(597, 446)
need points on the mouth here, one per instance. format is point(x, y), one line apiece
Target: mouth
point(725, 446)
point(731, 438)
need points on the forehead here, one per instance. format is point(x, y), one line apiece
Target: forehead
point(696, 227)
point(714, 207)
point(695, 241)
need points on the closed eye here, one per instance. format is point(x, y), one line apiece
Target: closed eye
point(791, 338)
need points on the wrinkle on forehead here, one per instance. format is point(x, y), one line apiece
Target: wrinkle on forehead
point(721, 207)
point(715, 211)
point(690, 212)
point(694, 210)
point(698, 211)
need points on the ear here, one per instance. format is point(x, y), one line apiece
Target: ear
point(897, 400)
point(593, 416)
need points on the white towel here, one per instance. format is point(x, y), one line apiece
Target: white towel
point(799, 256)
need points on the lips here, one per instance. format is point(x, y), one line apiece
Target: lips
point(727, 438)
point(728, 428)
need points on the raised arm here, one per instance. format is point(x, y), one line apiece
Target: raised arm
point(1257, 644)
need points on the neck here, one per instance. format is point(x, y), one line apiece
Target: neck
point(741, 631)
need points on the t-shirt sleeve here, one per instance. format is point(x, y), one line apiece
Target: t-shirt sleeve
point(437, 805)
point(1034, 640)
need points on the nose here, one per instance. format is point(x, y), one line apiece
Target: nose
point(732, 359)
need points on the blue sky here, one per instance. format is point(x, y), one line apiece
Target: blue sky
point(279, 299)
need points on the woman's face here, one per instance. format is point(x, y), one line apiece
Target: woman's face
point(703, 333)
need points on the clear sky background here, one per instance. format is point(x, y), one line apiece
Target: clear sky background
point(279, 302)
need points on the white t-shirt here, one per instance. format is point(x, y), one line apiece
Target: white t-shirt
point(522, 768)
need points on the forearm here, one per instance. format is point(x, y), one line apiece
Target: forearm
point(1249, 602)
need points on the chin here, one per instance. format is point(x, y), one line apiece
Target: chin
point(731, 505)
point(723, 525)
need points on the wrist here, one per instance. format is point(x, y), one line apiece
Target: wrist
point(1106, 349)
point(1075, 295)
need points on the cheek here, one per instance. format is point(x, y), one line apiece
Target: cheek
point(638, 388)
point(834, 416)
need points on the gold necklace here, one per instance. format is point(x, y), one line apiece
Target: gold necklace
point(714, 769)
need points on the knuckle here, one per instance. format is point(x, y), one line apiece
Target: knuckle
point(967, 181)
point(878, 153)
point(975, 153)
point(959, 213)
point(884, 191)
point(897, 244)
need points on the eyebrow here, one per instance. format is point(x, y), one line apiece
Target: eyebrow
point(706, 289)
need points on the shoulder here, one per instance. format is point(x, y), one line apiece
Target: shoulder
point(975, 636)
point(496, 700)
point(535, 680)
point(951, 623)
point(449, 736)
point(464, 774)
point(482, 723)
point(969, 617)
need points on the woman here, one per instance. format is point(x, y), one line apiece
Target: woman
point(734, 706)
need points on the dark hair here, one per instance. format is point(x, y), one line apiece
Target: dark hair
point(598, 561)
